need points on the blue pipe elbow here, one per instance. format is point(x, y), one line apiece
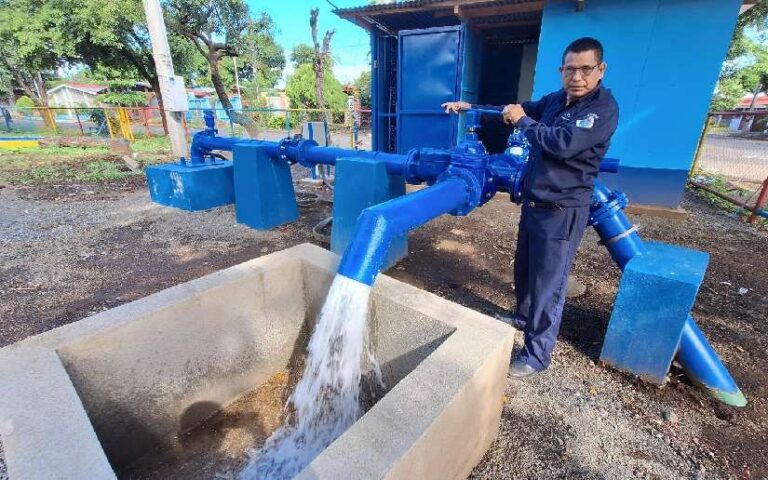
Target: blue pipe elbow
point(704, 368)
point(377, 226)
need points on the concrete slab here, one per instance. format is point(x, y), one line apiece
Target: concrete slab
point(86, 399)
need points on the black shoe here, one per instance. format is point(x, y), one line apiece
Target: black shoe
point(520, 369)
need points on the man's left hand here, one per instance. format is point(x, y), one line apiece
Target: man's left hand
point(513, 113)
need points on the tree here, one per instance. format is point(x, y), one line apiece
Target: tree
point(113, 42)
point(728, 95)
point(363, 88)
point(219, 29)
point(34, 42)
point(746, 66)
point(300, 88)
point(302, 54)
point(754, 77)
point(319, 63)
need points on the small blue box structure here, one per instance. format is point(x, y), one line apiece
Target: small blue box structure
point(264, 192)
point(362, 183)
point(656, 293)
point(191, 188)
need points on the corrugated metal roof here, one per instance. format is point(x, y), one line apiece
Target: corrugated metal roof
point(407, 4)
point(416, 14)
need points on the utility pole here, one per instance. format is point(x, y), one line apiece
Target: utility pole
point(171, 87)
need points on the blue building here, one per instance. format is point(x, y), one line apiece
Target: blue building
point(663, 56)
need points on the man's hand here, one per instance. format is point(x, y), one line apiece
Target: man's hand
point(455, 107)
point(513, 113)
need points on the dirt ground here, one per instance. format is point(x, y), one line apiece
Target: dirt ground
point(70, 250)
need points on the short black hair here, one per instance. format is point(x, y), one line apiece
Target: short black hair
point(585, 44)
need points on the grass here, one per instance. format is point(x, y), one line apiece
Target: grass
point(721, 184)
point(28, 166)
point(151, 145)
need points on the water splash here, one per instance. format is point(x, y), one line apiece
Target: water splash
point(326, 401)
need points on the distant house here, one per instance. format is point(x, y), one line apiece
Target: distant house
point(280, 101)
point(73, 95)
point(760, 104)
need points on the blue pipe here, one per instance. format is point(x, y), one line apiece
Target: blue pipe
point(614, 228)
point(703, 366)
point(377, 226)
point(698, 359)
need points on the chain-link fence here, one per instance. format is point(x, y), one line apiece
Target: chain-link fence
point(733, 151)
point(346, 129)
point(732, 159)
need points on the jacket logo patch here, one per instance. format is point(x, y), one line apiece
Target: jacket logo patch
point(588, 121)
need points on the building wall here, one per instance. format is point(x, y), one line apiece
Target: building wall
point(664, 57)
point(527, 68)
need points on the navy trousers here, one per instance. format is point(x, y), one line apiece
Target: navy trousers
point(546, 246)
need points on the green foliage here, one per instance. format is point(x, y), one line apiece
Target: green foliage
point(34, 41)
point(276, 122)
point(302, 54)
point(300, 89)
point(746, 64)
point(729, 93)
point(124, 99)
point(24, 103)
point(363, 87)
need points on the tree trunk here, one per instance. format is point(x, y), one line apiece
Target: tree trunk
point(319, 62)
point(42, 101)
point(747, 125)
point(155, 83)
point(237, 117)
point(754, 99)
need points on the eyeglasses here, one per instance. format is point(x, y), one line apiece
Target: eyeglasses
point(571, 71)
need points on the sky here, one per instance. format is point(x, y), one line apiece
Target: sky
point(350, 45)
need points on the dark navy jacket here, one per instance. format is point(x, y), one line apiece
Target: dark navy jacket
point(567, 145)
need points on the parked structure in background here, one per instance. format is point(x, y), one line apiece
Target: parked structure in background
point(664, 57)
point(75, 95)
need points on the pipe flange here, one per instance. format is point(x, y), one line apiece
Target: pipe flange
point(411, 166)
point(474, 188)
point(283, 150)
point(517, 183)
point(301, 150)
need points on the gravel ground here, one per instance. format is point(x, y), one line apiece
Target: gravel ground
point(71, 250)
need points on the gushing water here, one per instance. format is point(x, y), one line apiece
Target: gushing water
point(326, 400)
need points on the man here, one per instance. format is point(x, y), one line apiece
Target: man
point(7, 118)
point(569, 131)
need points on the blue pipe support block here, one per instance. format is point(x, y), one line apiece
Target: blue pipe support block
point(349, 201)
point(191, 188)
point(379, 225)
point(264, 194)
point(656, 294)
point(703, 366)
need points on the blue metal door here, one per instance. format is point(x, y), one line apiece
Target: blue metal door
point(429, 65)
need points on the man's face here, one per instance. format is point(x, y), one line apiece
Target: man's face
point(581, 73)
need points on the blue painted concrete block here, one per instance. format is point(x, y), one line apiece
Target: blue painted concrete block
point(362, 183)
point(655, 296)
point(191, 188)
point(264, 195)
